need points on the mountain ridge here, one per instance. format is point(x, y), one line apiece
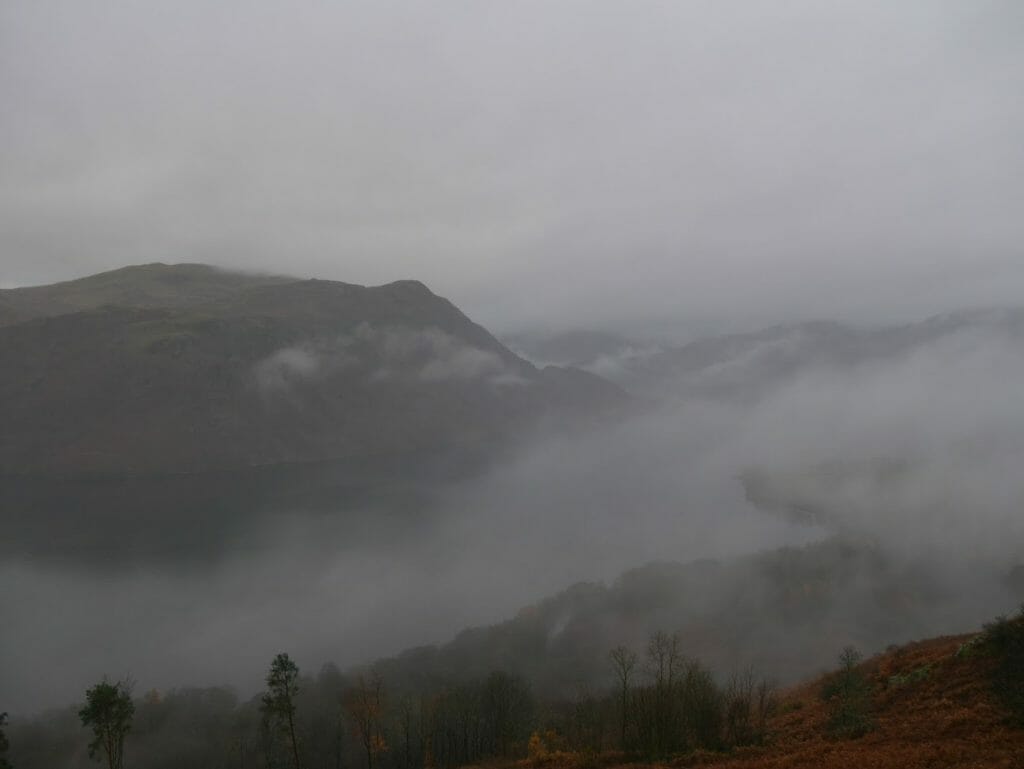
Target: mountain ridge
point(187, 367)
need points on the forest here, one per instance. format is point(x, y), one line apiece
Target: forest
point(660, 704)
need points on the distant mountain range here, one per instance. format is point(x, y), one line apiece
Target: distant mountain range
point(187, 368)
point(748, 365)
point(171, 403)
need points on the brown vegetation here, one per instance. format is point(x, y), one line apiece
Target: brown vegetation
point(931, 706)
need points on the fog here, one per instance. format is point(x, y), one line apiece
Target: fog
point(543, 165)
point(661, 484)
point(660, 170)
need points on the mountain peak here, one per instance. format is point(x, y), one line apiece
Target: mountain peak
point(202, 369)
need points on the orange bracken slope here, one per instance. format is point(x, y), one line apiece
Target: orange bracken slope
point(932, 708)
point(946, 716)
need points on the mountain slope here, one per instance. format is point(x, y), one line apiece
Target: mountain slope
point(932, 707)
point(166, 369)
point(930, 704)
point(787, 612)
point(149, 285)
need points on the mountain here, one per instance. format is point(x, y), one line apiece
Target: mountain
point(149, 285)
point(570, 348)
point(787, 612)
point(159, 411)
point(184, 368)
point(746, 366)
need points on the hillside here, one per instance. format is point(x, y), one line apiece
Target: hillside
point(932, 705)
point(931, 708)
point(938, 703)
point(787, 611)
point(144, 286)
point(183, 368)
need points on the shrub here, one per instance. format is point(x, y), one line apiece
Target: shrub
point(969, 648)
point(914, 676)
point(849, 696)
point(1005, 639)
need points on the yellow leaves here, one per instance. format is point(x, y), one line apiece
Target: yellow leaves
point(378, 745)
point(549, 749)
point(536, 750)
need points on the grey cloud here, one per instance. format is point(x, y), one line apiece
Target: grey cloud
point(541, 164)
point(664, 485)
point(921, 451)
point(376, 354)
point(460, 362)
point(431, 355)
point(275, 372)
point(645, 163)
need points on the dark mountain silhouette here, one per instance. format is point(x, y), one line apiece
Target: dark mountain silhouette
point(183, 368)
point(158, 410)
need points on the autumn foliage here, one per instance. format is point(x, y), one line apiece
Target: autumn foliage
point(932, 704)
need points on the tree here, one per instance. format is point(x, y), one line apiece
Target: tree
point(623, 662)
point(108, 711)
point(664, 659)
point(1005, 638)
point(849, 695)
point(506, 707)
point(405, 723)
point(365, 708)
point(4, 745)
point(767, 703)
point(747, 704)
point(279, 700)
point(738, 701)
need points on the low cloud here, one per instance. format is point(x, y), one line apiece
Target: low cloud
point(395, 353)
point(278, 371)
point(664, 485)
point(918, 453)
point(429, 355)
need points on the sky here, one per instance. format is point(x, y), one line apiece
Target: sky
point(543, 165)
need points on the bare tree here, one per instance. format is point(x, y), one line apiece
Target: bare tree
point(664, 660)
point(507, 708)
point(623, 663)
point(405, 720)
point(365, 708)
point(739, 708)
point(767, 701)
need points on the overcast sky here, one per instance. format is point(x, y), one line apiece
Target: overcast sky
point(540, 163)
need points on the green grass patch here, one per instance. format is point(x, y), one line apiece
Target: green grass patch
point(908, 679)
